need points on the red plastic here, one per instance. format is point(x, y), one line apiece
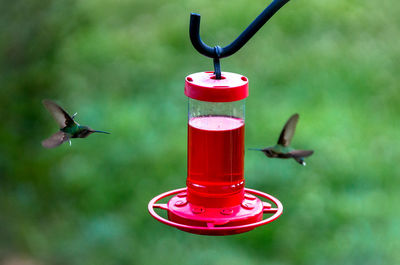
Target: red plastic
point(216, 221)
point(203, 86)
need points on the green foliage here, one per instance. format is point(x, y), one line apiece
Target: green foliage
point(121, 66)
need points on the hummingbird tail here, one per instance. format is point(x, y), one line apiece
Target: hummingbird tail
point(101, 132)
point(254, 149)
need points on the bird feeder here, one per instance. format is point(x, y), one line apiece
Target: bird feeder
point(215, 200)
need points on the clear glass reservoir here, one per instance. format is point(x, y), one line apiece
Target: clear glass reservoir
point(215, 148)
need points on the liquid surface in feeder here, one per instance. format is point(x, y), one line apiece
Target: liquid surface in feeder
point(215, 155)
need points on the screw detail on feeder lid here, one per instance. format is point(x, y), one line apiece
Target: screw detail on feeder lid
point(205, 87)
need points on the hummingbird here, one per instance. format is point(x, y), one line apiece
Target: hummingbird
point(282, 149)
point(69, 128)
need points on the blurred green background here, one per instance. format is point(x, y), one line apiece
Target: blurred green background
point(121, 66)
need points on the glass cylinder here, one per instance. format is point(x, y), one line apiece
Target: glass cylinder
point(216, 139)
point(215, 151)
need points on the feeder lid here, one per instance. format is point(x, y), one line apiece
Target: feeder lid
point(203, 86)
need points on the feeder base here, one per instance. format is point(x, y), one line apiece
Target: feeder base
point(216, 221)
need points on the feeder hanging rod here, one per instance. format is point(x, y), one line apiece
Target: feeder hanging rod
point(217, 52)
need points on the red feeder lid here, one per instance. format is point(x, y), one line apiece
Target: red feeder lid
point(203, 86)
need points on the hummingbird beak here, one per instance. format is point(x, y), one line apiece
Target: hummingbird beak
point(254, 149)
point(101, 132)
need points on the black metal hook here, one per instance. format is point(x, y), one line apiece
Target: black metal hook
point(201, 47)
point(217, 64)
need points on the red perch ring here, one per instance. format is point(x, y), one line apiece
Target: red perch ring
point(213, 225)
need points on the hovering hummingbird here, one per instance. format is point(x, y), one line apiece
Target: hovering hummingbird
point(68, 127)
point(282, 148)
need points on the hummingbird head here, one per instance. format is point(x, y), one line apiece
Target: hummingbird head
point(86, 131)
point(268, 152)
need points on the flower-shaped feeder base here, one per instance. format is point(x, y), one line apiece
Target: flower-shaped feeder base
point(216, 221)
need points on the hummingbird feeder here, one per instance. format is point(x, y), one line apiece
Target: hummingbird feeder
point(215, 201)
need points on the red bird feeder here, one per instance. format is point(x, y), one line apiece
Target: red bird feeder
point(215, 201)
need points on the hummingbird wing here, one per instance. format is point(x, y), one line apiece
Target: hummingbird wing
point(288, 130)
point(60, 115)
point(55, 140)
point(301, 153)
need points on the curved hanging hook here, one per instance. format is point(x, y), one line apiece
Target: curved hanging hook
point(201, 47)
